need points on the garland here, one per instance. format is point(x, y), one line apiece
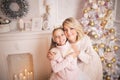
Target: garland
point(22, 8)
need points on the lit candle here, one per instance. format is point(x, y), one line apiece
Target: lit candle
point(15, 77)
point(28, 76)
point(24, 78)
point(21, 24)
point(31, 75)
point(26, 72)
point(20, 76)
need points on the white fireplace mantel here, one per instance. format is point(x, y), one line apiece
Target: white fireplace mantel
point(35, 43)
point(23, 35)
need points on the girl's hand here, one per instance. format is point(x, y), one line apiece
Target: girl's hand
point(50, 55)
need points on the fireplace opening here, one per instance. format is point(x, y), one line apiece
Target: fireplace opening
point(20, 66)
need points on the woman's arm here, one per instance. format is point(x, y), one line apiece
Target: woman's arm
point(86, 54)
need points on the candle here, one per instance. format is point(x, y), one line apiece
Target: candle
point(31, 75)
point(20, 76)
point(15, 77)
point(26, 72)
point(21, 24)
point(28, 76)
point(24, 78)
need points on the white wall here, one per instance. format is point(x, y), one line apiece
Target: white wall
point(69, 8)
point(60, 9)
point(33, 12)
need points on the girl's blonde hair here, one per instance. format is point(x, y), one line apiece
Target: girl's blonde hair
point(53, 44)
point(74, 24)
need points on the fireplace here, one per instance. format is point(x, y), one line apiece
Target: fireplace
point(20, 66)
point(24, 52)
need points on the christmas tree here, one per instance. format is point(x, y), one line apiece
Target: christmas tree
point(98, 24)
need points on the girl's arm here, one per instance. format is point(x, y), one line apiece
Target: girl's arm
point(61, 63)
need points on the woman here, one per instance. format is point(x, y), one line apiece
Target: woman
point(88, 59)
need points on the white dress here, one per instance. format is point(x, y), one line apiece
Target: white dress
point(89, 61)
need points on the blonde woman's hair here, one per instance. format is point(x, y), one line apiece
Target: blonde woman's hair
point(53, 44)
point(74, 23)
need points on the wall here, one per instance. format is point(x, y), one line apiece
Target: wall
point(34, 11)
point(69, 8)
point(59, 10)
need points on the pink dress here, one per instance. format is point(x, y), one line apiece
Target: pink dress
point(64, 66)
point(89, 61)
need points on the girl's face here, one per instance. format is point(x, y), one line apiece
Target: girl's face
point(70, 33)
point(59, 37)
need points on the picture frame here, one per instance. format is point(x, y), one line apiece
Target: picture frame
point(36, 24)
point(28, 25)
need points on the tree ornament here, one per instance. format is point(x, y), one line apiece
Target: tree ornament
point(108, 77)
point(102, 58)
point(109, 65)
point(85, 10)
point(95, 48)
point(102, 45)
point(112, 30)
point(109, 11)
point(113, 60)
point(95, 36)
point(103, 23)
point(116, 47)
point(91, 23)
point(107, 49)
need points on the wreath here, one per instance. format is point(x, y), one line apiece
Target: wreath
point(14, 8)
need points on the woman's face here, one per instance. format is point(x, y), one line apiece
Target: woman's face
point(59, 37)
point(70, 33)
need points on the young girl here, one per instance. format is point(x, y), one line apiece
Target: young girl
point(64, 61)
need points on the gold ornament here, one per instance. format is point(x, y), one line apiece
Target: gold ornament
point(102, 58)
point(103, 23)
point(116, 47)
point(95, 36)
point(112, 30)
point(92, 23)
point(102, 45)
point(109, 65)
point(108, 78)
point(85, 10)
point(108, 12)
point(113, 60)
point(95, 48)
point(108, 49)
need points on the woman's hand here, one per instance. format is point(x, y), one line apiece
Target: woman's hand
point(50, 55)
